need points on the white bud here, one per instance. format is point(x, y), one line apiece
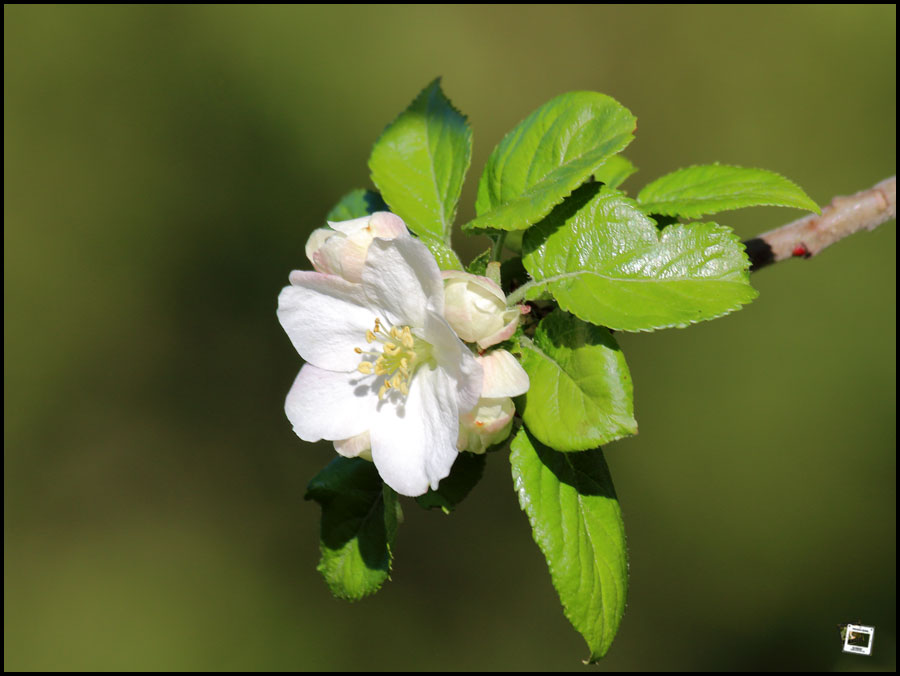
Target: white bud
point(476, 309)
point(341, 249)
point(490, 422)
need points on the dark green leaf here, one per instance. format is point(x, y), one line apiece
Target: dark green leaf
point(466, 473)
point(359, 524)
point(356, 204)
point(478, 266)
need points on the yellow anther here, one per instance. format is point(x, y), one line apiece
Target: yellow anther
point(396, 362)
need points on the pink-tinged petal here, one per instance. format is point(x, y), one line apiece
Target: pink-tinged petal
point(456, 359)
point(386, 225)
point(503, 375)
point(330, 405)
point(414, 438)
point(325, 317)
point(345, 256)
point(402, 278)
point(503, 334)
point(315, 242)
point(487, 424)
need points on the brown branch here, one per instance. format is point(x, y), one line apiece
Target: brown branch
point(811, 234)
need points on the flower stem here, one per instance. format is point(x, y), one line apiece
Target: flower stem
point(497, 249)
point(518, 295)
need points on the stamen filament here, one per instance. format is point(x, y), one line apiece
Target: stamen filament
point(397, 361)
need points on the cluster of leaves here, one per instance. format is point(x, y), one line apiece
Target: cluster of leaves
point(590, 260)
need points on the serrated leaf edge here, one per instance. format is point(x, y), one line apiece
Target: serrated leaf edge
point(654, 207)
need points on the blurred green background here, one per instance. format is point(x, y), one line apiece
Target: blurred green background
point(163, 167)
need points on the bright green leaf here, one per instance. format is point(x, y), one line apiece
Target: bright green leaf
point(359, 524)
point(419, 163)
point(604, 261)
point(356, 204)
point(542, 160)
point(614, 171)
point(708, 189)
point(580, 395)
point(576, 521)
point(445, 256)
point(466, 473)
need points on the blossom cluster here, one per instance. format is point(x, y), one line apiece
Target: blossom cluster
point(401, 366)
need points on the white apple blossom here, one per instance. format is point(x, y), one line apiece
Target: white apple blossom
point(341, 249)
point(476, 309)
point(490, 421)
point(382, 362)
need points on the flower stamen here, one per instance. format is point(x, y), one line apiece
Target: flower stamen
point(398, 358)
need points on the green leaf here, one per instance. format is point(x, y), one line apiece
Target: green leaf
point(580, 395)
point(478, 266)
point(708, 189)
point(542, 160)
point(419, 163)
point(604, 261)
point(576, 521)
point(614, 171)
point(466, 473)
point(356, 204)
point(359, 525)
point(445, 256)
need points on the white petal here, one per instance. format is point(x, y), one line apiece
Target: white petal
point(402, 278)
point(504, 333)
point(414, 440)
point(314, 243)
point(325, 317)
point(359, 446)
point(330, 405)
point(486, 283)
point(351, 226)
point(455, 358)
point(503, 375)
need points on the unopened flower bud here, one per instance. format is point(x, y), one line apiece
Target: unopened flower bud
point(490, 421)
point(341, 249)
point(476, 309)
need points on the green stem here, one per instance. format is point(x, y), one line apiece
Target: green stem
point(518, 295)
point(497, 249)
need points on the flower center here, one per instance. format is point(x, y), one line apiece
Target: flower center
point(401, 354)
